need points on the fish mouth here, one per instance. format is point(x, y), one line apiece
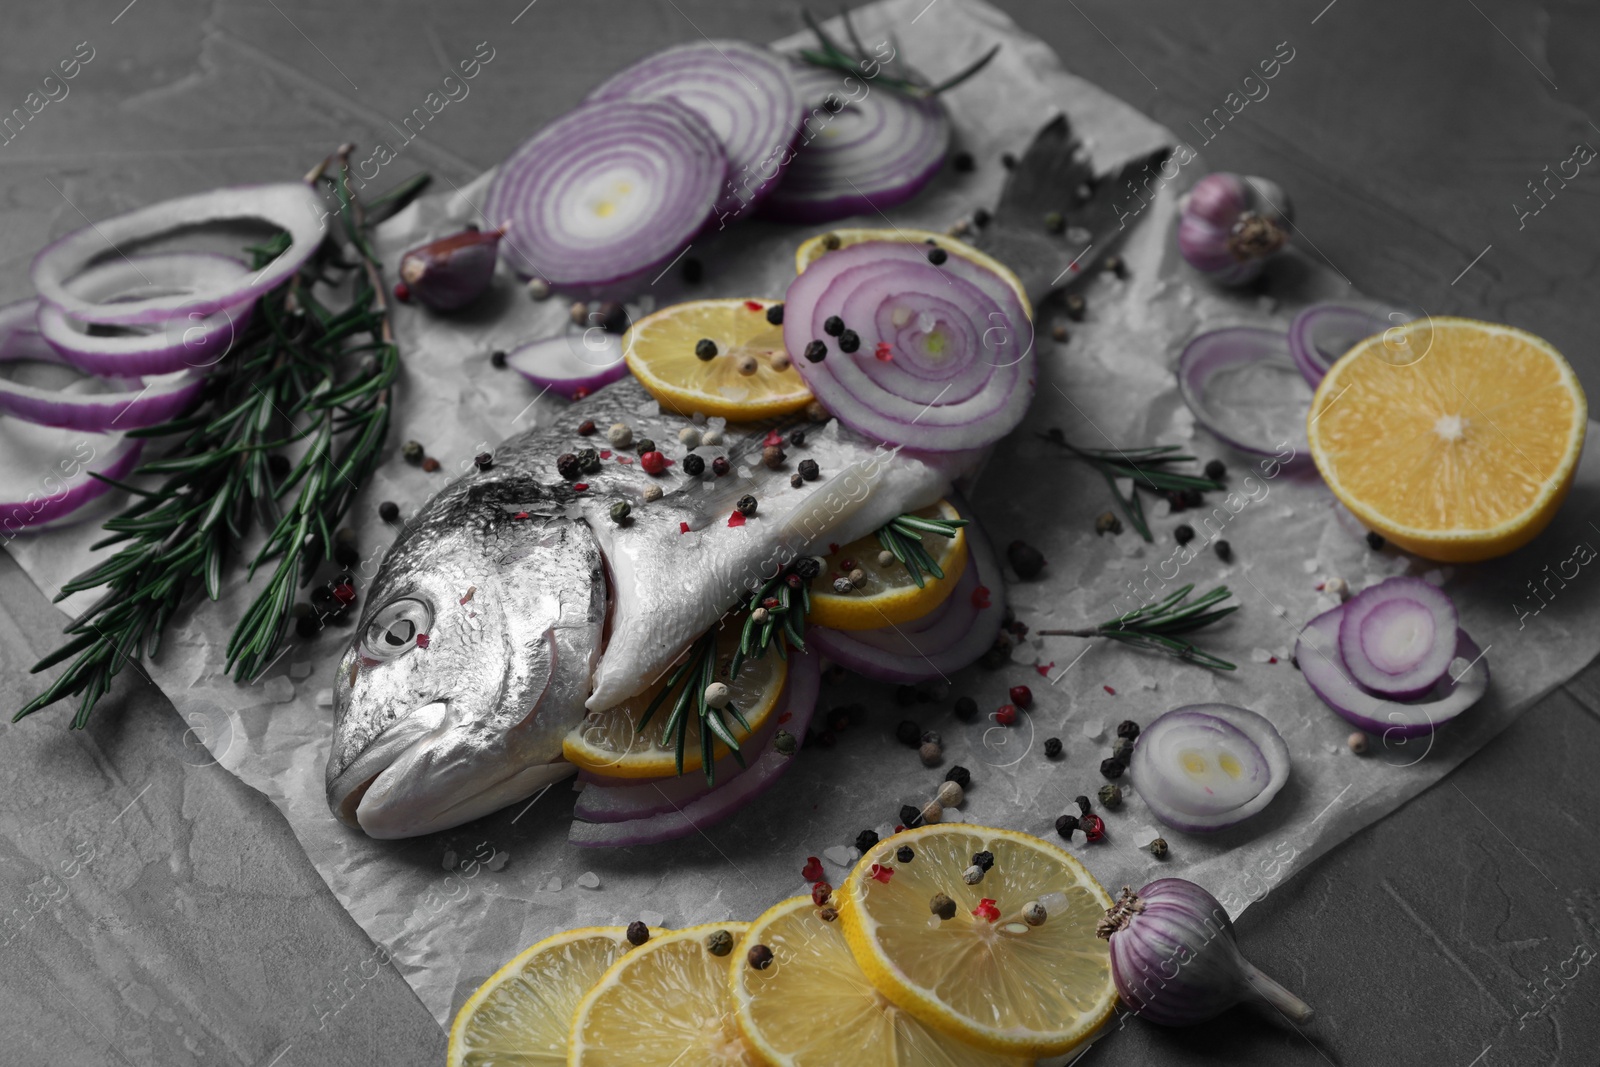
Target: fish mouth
point(409, 781)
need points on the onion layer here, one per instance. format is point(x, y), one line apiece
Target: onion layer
point(1244, 387)
point(1322, 333)
point(1464, 683)
point(572, 364)
point(45, 471)
point(607, 193)
point(744, 94)
point(189, 340)
point(693, 813)
point(862, 150)
point(1397, 637)
point(1207, 767)
point(293, 206)
point(943, 358)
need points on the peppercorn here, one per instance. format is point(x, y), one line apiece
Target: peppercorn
point(1094, 827)
point(932, 812)
point(783, 741)
point(950, 795)
point(937, 256)
point(586, 428)
point(1059, 334)
point(1006, 714)
point(1112, 768)
point(775, 314)
point(984, 859)
point(942, 906)
point(816, 351)
point(388, 511)
point(1123, 749)
point(1158, 848)
point(638, 933)
point(807, 567)
point(307, 625)
point(719, 943)
point(1107, 523)
point(820, 892)
point(483, 461)
point(614, 317)
point(760, 957)
point(1026, 560)
point(1083, 803)
point(1033, 913)
point(966, 709)
point(809, 471)
point(908, 733)
point(981, 217)
point(1127, 728)
point(278, 465)
point(1055, 222)
point(402, 292)
point(772, 457)
point(972, 875)
point(1065, 824)
point(962, 162)
point(497, 359)
point(589, 461)
point(1052, 748)
point(705, 349)
point(1008, 160)
point(720, 466)
point(831, 241)
point(1021, 696)
point(746, 505)
point(1357, 742)
point(1111, 796)
point(643, 445)
point(795, 481)
point(1183, 533)
point(619, 512)
point(1224, 551)
point(693, 465)
point(932, 753)
point(833, 326)
point(842, 586)
point(1215, 470)
point(1116, 265)
point(1075, 306)
point(412, 452)
point(652, 493)
point(910, 816)
point(1175, 500)
point(865, 840)
point(1193, 498)
point(1375, 540)
point(578, 313)
point(960, 776)
point(430, 464)
point(849, 341)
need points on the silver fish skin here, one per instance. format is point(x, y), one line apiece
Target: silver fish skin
point(537, 605)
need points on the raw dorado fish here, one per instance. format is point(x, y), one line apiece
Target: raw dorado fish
point(512, 601)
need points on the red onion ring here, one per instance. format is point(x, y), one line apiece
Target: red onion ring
point(1207, 767)
point(31, 499)
point(572, 364)
point(960, 372)
point(186, 341)
point(730, 795)
point(950, 637)
point(292, 206)
point(743, 93)
point(153, 399)
point(1463, 685)
point(1322, 333)
point(878, 150)
point(1231, 375)
point(1397, 638)
point(552, 194)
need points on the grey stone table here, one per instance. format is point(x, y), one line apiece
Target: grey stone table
point(182, 925)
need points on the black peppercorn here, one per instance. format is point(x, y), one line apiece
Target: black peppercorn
point(1175, 501)
point(1075, 306)
point(1116, 265)
point(809, 470)
point(849, 341)
point(910, 816)
point(614, 317)
point(1083, 804)
point(1127, 728)
point(1065, 824)
point(1183, 534)
point(966, 709)
point(746, 505)
point(307, 626)
point(981, 217)
point(817, 351)
point(412, 452)
point(833, 326)
point(693, 271)
point(497, 359)
point(937, 256)
point(908, 733)
point(807, 567)
point(638, 933)
point(798, 438)
point(706, 349)
point(694, 466)
point(589, 461)
point(388, 511)
point(1216, 469)
point(959, 775)
point(775, 314)
point(278, 465)
point(795, 481)
point(783, 742)
point(1026, 560)
point(760, 957)
point(1112, 768)
point(904, 854)
point(1007, 160)
point(1055, 222)
point(1193, 498)
point(483, 461)
point(643, 445)
point(720, 466)
point(1375, 540)
point(1224, 551)
point(1052, 747)
point(1123, 749)
point(866, 839)
point(720, 943)
point(962, 162)
point(984, 859)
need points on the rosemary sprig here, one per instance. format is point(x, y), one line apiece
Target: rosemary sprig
point(1154, 626)
point(288, 380)
point(780, 623)
point(903, 538)
point(686, 686)
point(832, 55)
point(1148, 468)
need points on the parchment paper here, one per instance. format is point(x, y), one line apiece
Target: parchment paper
point(452, 907)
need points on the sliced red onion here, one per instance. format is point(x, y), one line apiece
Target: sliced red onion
point(190, 340)
point(1245, 389)
point(950, 637)
point(744, 94)
point(862, 148)
point(292, 206)
point(1322, 333)
point(1463, 685)
point(45, 470)
point(730, 795)
point(945, 358)
point(1207, 767)
point(135, 402)
point(608, 193)
point(572, 364)
point(1397, 638)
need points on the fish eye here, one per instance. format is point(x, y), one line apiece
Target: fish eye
point(394, 629)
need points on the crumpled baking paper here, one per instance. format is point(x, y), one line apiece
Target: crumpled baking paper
point(451, 908)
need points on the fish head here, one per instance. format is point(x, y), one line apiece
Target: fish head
point(471, 662)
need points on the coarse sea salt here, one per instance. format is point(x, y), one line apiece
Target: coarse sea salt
point(1094, 729)
point(448, 861)
point(324, 698)
point(278, 689)
point(589, 880)
point(652, 918)
point(299, 669)
point(840, 855)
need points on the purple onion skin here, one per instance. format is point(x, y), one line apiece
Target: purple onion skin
point(1175, 960)
point(1231, 225)
point(452, 272)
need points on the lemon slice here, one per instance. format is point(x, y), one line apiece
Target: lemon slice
point(1002, 985)
point(610, 742)
point(815, 247)
point(521, 1016)
point(812, 1006)
point(661, 351)
point(1455, 439)
point(665, 1004)
point(888, 596)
